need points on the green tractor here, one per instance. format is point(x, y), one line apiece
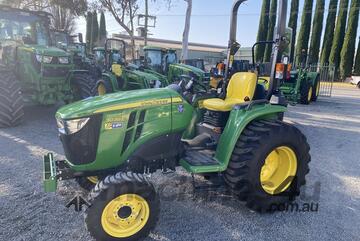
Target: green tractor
point(118, 75)
point(165, 62)
point(30, 70)
point(120, 137)
point(301, 85)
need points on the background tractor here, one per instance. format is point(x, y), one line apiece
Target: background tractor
point(122, 136)
point(31, 70)
point(165, 62)
point(118, 75)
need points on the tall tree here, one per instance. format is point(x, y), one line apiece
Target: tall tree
point(94, 30)
point(314, 49)
point(124, 12)
point(270, 34)
point(262, 31)
point(302, 43)
point(357, 61)
point(329, 32)
point(88, 29)
point(185, 42)
point(339, 35)
point(294, 13)
point(348, 49)
point(102, 30)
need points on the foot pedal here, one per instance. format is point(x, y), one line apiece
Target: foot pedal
point(199, 158)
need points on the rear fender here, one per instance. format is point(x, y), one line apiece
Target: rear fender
point(313, 77)
point(239, 118)
point(112, 79)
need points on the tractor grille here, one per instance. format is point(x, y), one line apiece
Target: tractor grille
point(81, 147)
point(55, 71)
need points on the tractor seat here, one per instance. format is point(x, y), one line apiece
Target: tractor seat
point(241, 88)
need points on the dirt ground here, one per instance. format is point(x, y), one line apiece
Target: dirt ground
point(332, 126)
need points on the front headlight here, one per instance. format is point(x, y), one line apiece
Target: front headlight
point(63, 60)
point(68, 127)
point(43, 59)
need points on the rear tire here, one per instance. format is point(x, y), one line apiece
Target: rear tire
point(11, 100)
point(111, 190)
point(102, 87)
point(255, 144)
point(316, 89)
point(87, 183)
point(304, 93)
point(83, 84)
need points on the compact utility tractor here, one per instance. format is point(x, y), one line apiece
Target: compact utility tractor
point(165, 62)
point(31, 70)
point(121, 137)
point(118, 75)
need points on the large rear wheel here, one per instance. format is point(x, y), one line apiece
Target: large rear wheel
point(123, 207)
point(306, 91)
point(11, 100)
point(316, 89)
point(268, 164)
point(82, 85)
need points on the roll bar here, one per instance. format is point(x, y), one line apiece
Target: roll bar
point(279, 37)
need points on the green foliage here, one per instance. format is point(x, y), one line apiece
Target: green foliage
point(94, 30)
point(357, 61)
point(262, 31)
point(329, 32)
point(88, 28)
point(303, 38)
point(339, 35)
point(293, 25)
point(316, 31)
point(102, 30)
point(348, 49)
point(270, 34)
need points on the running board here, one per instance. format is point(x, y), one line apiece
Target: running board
point(200, 162)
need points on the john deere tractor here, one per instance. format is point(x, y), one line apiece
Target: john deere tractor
point(31, 70)
point(165, 62)
point(118, 75)
point(121, 137)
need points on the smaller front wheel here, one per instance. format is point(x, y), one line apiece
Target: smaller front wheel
point(87, 183)
point(306, 91)
point(123, 207)
point(82, 85)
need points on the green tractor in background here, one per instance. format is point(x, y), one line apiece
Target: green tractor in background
point(119, 137)
point(118, 75)
point(165, 62)
point(30, 70)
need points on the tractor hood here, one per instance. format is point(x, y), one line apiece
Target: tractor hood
point(117, 101)
point(193, 69)
point(47, 51)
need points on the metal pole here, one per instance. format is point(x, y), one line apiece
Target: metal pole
point(146, 22)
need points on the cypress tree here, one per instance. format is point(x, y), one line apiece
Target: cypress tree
point(329, 32)
point(348, 49)
point(270, 34)
point(357, 61)
point(339, 35)
point(293, 25)
point(262, 31)
point(88, 28)
point(102, 30)
point(316, 31)
point(94, 30)
point(303, 38)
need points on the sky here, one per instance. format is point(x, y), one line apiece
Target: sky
point(210, 21)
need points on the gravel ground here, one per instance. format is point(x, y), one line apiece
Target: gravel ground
point(332, 126)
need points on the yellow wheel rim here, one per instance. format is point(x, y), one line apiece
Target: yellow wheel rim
point(310, 93)
point(125, 215)
point(93, 179)
point(318, 88)
point(101, 89)
point(279, 170)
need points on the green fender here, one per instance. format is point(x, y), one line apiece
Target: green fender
point(312, 77)
point(112, 79)
point(237, 122)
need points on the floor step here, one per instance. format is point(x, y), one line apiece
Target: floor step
point(200, 158)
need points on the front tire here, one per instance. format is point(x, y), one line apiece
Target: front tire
point(82, 86)
point(11, 100)
point(306, 91)
point(316, 89)
point(87, 183)
point(254, 172)
point(123, 207)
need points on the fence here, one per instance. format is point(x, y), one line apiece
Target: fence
point(327, 76)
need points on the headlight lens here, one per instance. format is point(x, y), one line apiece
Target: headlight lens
point(63, 60)
point(68, 127)
point(43, 59)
